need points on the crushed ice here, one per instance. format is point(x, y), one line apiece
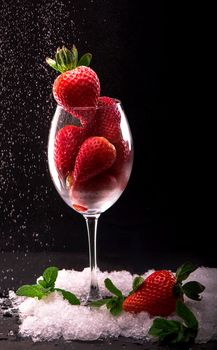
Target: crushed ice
point(54, 317)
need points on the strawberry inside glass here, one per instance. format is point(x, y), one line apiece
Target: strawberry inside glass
point(90, 149)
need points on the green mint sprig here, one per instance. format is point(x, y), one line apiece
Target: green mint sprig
point(191, 289)
point(114, 303)
point(46, 286)
point(137, 282)
point(173, 332)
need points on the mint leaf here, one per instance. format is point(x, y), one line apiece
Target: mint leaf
point(187, 315)
point(42, 283)
point(173, 332)
point(111, 287)
point(31, 291)
point(50, 276)
point(184, 271)
point(167, 330)
point(85, 60)
point(177, 290)
point(116, 309)
point(72, 299)
point(99, 303)
point(160, 324)
point(193, 289)
point(113, 304)
point(45, 286)
point(137, 282)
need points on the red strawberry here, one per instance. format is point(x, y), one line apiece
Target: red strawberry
point(106, 101)
point(155, 295)
point(96, 154)
point(79, 208)
point(123, 152)
point(76, 88)
point(124, 157)
point(88, 120)
point(77, 85)
point(122, 167)
point(66, 146)
point(159, 295)
point(92, 193)
point(108, 119)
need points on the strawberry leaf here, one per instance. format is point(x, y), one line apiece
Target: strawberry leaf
point(184, 271)
point(193, 289)
point(187, 315)
point(52, 63)
point(72, 299)
point(66, 59)
point(69, 58)
point(85, 60)
point(137, 282)
point(75, 55)
point(111, 287)
point(31, 291)
point(59, 61)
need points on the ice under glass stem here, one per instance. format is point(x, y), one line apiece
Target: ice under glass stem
point(91, 222)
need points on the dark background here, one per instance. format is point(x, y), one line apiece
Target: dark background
point(137, 59)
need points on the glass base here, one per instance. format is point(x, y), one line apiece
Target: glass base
point(93, 295)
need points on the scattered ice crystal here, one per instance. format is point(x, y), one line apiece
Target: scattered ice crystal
point(29, 32)
point(53, 317)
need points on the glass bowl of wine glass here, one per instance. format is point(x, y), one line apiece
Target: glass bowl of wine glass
point(90, 157)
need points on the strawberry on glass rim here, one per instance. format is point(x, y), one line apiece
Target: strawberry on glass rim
point(77, 85)
point(90, 149)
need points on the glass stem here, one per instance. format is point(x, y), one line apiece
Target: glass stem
point(91, 222)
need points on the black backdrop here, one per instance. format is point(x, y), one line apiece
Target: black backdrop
point(130, 47)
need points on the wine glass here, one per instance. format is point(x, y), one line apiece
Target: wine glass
point(90, 188)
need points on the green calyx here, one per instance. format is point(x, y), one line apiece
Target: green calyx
point(66, 59)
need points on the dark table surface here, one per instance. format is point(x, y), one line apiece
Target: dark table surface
point(18, 268)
